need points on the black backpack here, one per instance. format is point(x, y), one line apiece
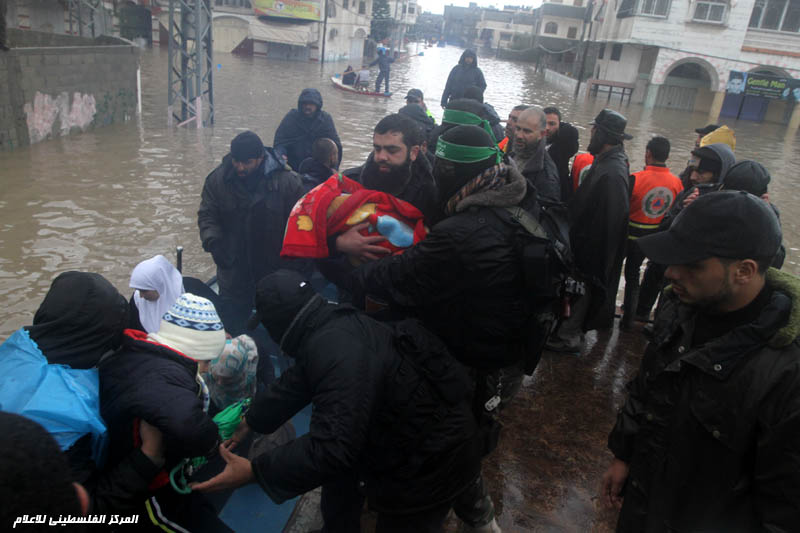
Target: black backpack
point(427, 384)
point(542, 241)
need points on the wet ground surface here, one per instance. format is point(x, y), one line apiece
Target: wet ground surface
point(545, 474)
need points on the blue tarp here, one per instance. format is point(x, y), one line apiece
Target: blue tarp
point(64, 400)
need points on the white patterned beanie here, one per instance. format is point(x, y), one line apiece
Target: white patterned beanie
point(192, 327)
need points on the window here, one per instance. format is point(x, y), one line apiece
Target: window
point(411, 10)
point(782, 15)
point(362, 7)
point(602, 52)
point(658, 8)
point(616, 52)
point(551, 28)
point(572, 32)
point(344, 3)
point(709, 12)
point(505, 36)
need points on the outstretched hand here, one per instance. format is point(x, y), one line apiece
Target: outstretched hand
point(361, 247)
point(238, 471)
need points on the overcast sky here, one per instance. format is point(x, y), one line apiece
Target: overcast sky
point(437, 6)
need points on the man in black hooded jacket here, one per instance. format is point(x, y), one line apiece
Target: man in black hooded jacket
point(399, 425)
point(465, 74)
point(302, 126)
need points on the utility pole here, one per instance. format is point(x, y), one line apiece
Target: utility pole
point(324, 33)
point(589, 9)
point(191, 63)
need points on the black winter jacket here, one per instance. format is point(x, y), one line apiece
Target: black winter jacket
point(463, 76)
point(146, 380)
point(245, 228)
point(561, 150)
point(541, 172)
point(464, 281)
point(296, 133)
point(361, 389)
point(312, 173)
point(712, 432)
point(598, 229)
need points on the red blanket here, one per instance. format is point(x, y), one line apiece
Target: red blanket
point(340, 203)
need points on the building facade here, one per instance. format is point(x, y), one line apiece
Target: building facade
point(680, 53)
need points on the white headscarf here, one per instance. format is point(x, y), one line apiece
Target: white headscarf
point(155, 274)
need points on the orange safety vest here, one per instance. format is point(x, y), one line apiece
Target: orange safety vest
point(654, 193)
point(578, 164)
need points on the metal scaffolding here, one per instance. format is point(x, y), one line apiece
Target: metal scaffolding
point(191, 62)
point(85, 15)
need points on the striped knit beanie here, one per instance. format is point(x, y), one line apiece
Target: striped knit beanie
point(192, 327)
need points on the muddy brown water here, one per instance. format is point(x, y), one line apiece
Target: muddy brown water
point(104, 200)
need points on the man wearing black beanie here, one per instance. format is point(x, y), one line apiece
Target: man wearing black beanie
point(466, 281)
point(243, 212)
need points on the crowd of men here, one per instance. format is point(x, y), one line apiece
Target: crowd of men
point(408, 372)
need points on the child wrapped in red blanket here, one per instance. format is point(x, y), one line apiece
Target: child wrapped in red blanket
point(340, 203)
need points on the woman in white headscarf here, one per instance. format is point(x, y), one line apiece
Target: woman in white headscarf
point(158, 285)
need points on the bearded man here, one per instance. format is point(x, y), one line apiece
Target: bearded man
point(531, 157)
point(598, 231)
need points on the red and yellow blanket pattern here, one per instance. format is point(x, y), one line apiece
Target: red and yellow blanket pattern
point(340, 203)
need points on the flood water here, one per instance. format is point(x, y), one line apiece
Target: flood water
point(104, 200)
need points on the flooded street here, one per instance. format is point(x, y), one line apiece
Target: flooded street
point(103, 201)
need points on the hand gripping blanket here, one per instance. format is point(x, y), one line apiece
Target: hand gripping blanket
point(340, 203)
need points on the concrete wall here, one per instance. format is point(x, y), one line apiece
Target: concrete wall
point(57, 91)
point(564, 83)
point(626, 69)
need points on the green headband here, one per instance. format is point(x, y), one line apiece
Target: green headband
point(465, 118)
point(459, 153)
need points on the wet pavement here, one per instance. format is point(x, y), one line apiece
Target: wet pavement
point(545, 474)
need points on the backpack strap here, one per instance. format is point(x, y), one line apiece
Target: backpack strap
point(527, 221)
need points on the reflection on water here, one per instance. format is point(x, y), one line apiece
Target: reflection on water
point(104, 200)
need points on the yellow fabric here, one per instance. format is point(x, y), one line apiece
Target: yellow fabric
point(722, 134)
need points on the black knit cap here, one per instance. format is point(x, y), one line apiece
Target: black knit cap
point(750, 176)
point(247, 145)
point(279, 298)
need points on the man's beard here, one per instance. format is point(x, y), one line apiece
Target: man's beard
point(596, 144)
point(392, 181)
point(551, 137)
point(711, 303)
point(528, 149)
